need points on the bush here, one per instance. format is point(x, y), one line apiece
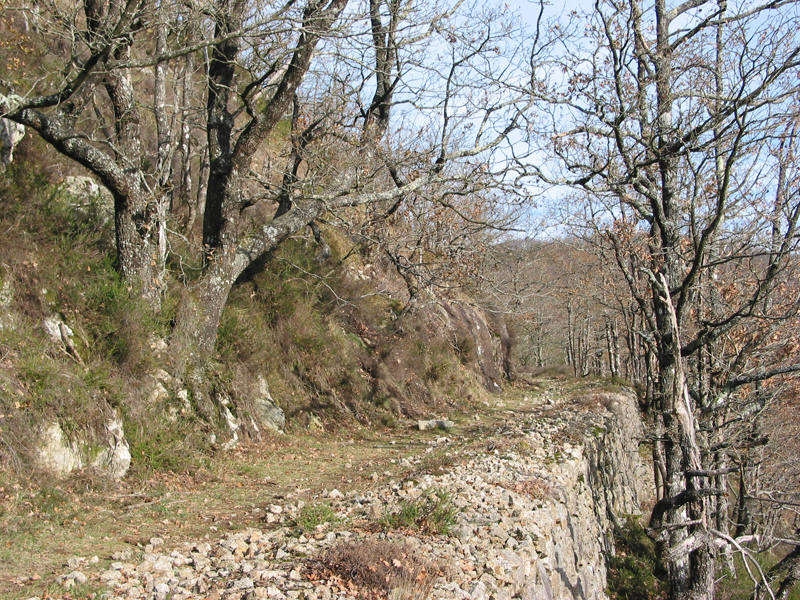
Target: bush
point(178, 447)
point(634, 572)
point(380, 567)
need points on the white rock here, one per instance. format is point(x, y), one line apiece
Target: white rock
point(11, 134)
point(115, 458)
point(273, 592)
point(267, 412)
point(245, 583)
point(55, 453)
point(78, 577)
point(479, 592)
point(157, 394)
point(435, 424)
point(56, 329)
point(110, 576)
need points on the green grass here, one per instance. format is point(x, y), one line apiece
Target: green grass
point(740, 587)
point(175, 447)
point(433, 513)
point(313, 515)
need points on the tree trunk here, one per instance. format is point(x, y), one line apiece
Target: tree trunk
point(140, 222)
point(685, 545)
point(198, 318)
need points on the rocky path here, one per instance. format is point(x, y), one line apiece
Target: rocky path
point(525, 514)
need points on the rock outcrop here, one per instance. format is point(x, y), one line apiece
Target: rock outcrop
point(268, 414)
point(59, 455)
point(88, 199)
point(11, 134)
point(481, 342)
point(535, 518)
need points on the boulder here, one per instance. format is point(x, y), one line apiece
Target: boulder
point(54, 453)
point(85, 187)
point(7, 316)
point(266, 412)
point(60, 456)
point(435, 424)
point(88, 198)
point(61, 333)
point(115, 458)
point(224, 403)
point(56, 329)
point(6, 291)
point(315, 423)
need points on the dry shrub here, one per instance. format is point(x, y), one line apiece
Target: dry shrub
point(378, 568)
point(536, 488)
point(593, 402)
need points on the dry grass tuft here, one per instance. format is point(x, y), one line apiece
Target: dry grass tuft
point(536, 488)
point(380, 569)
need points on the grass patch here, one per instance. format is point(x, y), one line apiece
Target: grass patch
point(175, 447)
point(82, 591)
point(433, 513)
point(313, 515)
point(438, 462)
point(739, 586)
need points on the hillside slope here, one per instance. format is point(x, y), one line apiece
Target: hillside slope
point(321, 336)
point(301, 440)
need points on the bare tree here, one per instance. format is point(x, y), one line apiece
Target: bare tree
point(311, 110)
point(678, 123)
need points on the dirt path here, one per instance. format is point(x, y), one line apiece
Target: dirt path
point(42, 528)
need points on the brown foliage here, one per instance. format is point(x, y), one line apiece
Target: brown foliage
point(377, 568)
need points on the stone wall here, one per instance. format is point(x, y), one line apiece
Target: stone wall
point(537, 518)
point(536, 506)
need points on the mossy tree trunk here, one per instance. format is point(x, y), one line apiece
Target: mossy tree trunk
point(195, 334)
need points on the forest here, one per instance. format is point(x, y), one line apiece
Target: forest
point(616, 184)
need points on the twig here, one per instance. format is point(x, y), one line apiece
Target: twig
point(746, 554)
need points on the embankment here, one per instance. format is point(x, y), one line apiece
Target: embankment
point(529, 510)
